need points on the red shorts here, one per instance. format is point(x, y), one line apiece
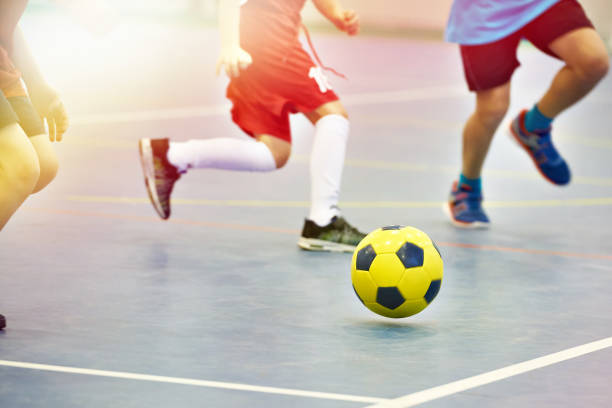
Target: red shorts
point(489, 65)
point(10, 77)
point(276, 84)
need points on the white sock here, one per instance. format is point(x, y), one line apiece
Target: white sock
point(326, 163)
point(221, 153)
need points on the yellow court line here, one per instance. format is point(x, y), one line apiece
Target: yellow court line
point(576, 202)
point(384, 165)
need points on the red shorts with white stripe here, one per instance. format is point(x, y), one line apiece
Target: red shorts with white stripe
point(278, 83)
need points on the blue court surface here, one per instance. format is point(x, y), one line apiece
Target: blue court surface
point(109, 306)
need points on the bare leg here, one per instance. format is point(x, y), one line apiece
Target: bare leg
point(19, 170)
point(587, 62)
point(47, 160)
point(280, 149)
point(330, 108)
point(491, 107)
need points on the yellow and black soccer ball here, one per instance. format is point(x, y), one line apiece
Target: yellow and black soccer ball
point(396, 271)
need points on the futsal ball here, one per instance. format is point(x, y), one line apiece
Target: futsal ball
point(396, 271)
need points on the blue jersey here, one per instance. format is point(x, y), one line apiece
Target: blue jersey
point(474, 22)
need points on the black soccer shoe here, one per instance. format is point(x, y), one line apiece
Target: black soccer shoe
point(160, 175)
point(337, 236)
point(2, 322)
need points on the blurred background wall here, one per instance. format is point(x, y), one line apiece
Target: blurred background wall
point(396, 17)
point(402, 16)
point(430, 16)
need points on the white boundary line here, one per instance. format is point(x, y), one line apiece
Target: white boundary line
point(406, 401)
point(372, 98)
point(189, 381)
point(455, 387)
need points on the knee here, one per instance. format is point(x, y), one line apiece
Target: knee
point(594, 68)
point(493, 112)
point(22, 172)
point(330, 108)
point(281, 157)
point(492, 105)
point(49, 166)
point(342, 112)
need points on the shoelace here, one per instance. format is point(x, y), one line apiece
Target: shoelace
point(314, 53)
point(472, 200)
point(350, 229)
point(545, 149)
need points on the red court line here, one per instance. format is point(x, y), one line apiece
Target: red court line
point(244, 227)
point(525, 250)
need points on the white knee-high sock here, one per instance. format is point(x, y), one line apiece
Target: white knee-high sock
point(326, 163)
point(221, 153)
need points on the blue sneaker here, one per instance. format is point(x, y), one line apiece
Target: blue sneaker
point(540, 148)
point(464, 208)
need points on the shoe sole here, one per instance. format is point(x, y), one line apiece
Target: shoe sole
point(148, 169)
point(318, 245)
point(461, 224)
point(518, 140)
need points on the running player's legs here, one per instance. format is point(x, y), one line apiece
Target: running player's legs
point(19, 168)
point(586, 63)
point(489, 78)
point(268, 150)
point(327, 160)
point(565, 32)
point(164, 161)
point(326, 165)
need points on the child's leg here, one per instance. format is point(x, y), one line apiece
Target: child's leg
point(564, 31)
point(488, 70)
point(34, 128)
point(47, 159)
point(491, 107)
point(325, 229)
point(464, 206)
point(267, 153)
point(587, 62)
point(270, 149)
point(327, 160)
point(163, 161)
point(19, 170)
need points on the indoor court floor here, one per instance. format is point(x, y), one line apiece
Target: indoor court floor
point(109, 306)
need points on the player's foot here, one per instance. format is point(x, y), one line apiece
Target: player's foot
point(2, 322)
point(464, 208)
point(337, 236)
point(160, 175)
point(540, 148)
